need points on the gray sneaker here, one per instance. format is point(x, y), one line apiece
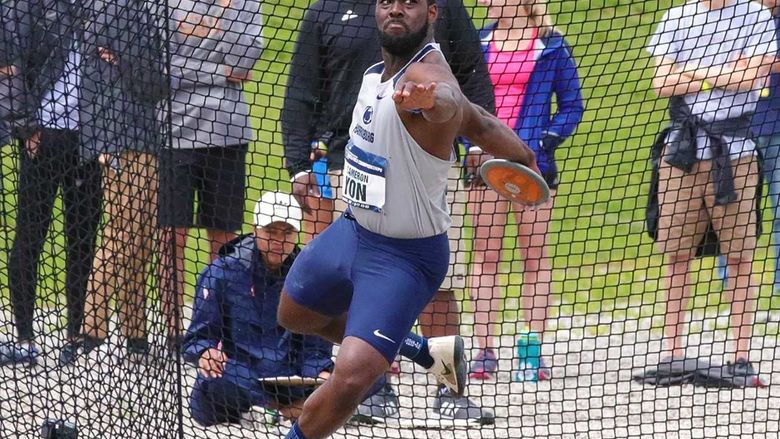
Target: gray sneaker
point(731, 375)
point(378, 407)
point(451, 407)
point(18, 354)
point(672, 371)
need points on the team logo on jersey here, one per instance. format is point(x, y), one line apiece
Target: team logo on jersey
point(368, 115)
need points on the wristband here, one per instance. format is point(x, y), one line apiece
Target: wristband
point(295, 177)
point(319, 145)
point(705, 86)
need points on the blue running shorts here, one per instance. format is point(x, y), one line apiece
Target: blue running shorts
point(383, 283)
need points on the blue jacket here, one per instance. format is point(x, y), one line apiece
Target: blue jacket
point(555, 72)
point(766, 120)
point(235, 306)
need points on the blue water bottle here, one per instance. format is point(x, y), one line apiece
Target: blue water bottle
point(529, 356)
point(320, 170)
point(320, 166)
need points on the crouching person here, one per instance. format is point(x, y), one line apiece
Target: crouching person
point(234, 338)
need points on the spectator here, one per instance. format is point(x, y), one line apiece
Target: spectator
point(46, 76)
point(123, 82)
point(214, 45)
point(529, 63)
point(7, 70)
point(766, 125)
point(336, 44)
point(711, 61)
point(234, 337)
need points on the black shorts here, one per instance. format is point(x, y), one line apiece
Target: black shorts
point(217, 175)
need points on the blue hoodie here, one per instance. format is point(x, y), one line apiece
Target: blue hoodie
point(555, 72)
point(235, 307)
point(766, 120)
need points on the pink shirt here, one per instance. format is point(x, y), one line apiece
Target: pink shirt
point(510, 73)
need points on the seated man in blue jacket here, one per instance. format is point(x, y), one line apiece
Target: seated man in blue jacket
point(234, 337)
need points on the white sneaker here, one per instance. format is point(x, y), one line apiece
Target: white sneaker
point(449, 362)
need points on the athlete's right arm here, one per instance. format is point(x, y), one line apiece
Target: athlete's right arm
point(493, 136)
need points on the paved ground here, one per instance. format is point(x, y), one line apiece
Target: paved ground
point(591, 396)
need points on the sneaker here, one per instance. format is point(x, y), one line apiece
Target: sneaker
point(18, 354)
point(449, 362)
point(74, 349)
point(672, 371)
point(249, 419)
point(484, 366)
point(137, 349)
point(732, 375)
point(378, 407)
point(544, 373)
point(70, 351)
point(453, 408)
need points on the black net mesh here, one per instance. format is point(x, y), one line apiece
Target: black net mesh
point(144, 141)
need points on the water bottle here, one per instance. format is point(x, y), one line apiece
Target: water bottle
point(529, 356)
point(320, 166)
point(320, 170)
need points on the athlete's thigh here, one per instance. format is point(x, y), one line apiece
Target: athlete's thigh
point(320, 278)
point(392, 286)
point(385, 306)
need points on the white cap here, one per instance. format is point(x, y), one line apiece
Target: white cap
point(278, 207)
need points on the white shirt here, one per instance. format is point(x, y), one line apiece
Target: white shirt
point(694, 36)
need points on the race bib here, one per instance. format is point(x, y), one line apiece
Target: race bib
point(364, 179)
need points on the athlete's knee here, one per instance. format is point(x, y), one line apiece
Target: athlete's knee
point(358, 367)
point(353, 382)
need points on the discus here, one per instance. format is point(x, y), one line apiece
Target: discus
point(292, 380)
point(515, 182)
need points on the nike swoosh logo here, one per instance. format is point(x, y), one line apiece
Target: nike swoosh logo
point(447, 370)
point(380, 335)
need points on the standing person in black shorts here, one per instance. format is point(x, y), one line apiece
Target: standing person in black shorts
point(215, 45)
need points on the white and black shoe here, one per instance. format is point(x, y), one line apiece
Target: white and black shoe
point(449, 362)
point(379, 407)
point(454, 408)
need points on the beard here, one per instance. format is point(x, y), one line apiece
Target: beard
point(404, 45)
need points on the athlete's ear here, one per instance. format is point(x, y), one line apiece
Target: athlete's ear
point(433, 11)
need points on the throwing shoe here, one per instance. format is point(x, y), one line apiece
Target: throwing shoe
point(449, 362)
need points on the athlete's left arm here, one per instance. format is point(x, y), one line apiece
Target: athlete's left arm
point(493, 136)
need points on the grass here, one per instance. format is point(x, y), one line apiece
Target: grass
point(604, 261)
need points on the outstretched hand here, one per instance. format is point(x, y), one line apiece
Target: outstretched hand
point(412, 96)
